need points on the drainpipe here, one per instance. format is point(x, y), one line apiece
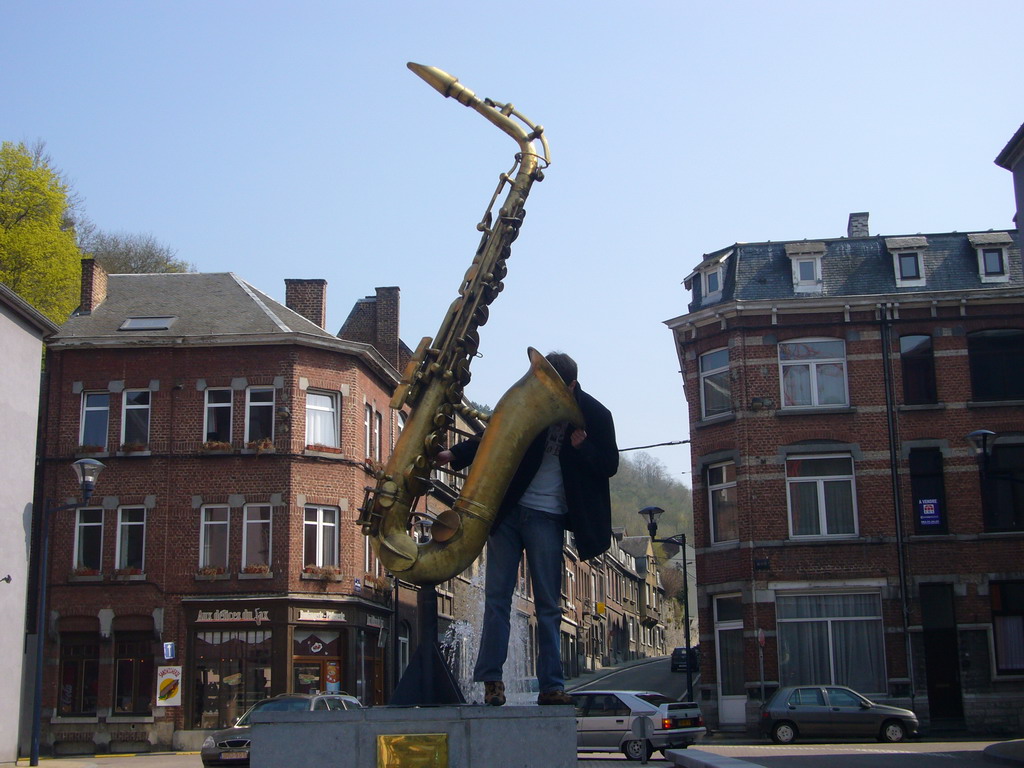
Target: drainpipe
point(897, 504)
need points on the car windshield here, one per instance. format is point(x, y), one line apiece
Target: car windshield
point(657, 699)
point(274, 705)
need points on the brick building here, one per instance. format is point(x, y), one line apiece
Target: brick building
point(846, 530)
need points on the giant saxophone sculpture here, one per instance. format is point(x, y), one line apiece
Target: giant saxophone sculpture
point(433, 383)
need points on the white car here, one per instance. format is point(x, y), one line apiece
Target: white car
point(635, 723)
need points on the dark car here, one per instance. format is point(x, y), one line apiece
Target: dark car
point(816, 711)
point(681, 662)
point(231, 745)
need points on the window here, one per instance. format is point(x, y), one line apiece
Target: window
point(232, 672)
point(712, 281)
point(147, 323)
point(821, 496)
point(813, 373)
point(320, 536)
point(927, 490)
point(368, 430)
point(133, 673)
point(213, 538)
point(1003, 488)
point(807, 271)
point(259, 414)
point(992, 262)
point(256, 537)
point(89, 540)
point(715, 388)
point(833, 639)
point(217, 425)
point(722, 502)
point(917, 360)
point(729, 632)
point(378, 436)
point(805, 260)
point(95, 419)
point(321, 419)
point(996, 359)
point(910, 265)
point(135, 425)
point(79, 673)
point(131, 539)
point(1008, 626)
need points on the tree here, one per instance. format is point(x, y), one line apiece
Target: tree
point(39, 258)
point(120, 253)
point(643, 481)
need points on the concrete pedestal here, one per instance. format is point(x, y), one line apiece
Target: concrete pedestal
point(473, 737)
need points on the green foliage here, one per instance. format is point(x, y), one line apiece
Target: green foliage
point(39, 258)
point(642, 481)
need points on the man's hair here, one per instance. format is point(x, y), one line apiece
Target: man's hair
point(564, 365)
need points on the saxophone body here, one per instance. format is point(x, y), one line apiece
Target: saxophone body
point(433, 383)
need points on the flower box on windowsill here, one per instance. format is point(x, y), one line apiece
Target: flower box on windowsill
point(133, 449)
point(263, 445)
point(128, 574)
point(216, 448)
point(323, 451)
point(321, 573)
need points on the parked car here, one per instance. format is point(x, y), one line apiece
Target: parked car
point(814, 711)
point(231, 745)
point(608, 721)
point(681, 662)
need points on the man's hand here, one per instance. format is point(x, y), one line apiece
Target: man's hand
point(577, 437)
point(443, 457)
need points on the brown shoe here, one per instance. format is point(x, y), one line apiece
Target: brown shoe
point(494, 693)
point(554, 697)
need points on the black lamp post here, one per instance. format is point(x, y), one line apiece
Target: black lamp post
point(86, 470)
point(652, 514)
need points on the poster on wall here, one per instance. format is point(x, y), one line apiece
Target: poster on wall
point(168, 686)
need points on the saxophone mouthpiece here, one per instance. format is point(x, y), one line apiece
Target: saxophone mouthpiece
point(445, 84)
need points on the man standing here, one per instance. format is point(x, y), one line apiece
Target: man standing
point(561, 484)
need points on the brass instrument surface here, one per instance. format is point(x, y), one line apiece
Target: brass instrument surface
point(433, 383)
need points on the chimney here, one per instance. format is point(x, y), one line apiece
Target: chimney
point(858, 225)
point(307, 298)
point(387, 342)
point(94, 286)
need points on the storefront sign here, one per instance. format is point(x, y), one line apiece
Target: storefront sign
point(224, 616)
point(168, 686)
point(375, 621)
point(308, 615)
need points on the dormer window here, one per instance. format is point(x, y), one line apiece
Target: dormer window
point(805, 260)
point(708, 279)
point(713, 281)
point(991, 250)
point(907, 260)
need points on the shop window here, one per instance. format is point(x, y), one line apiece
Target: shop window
point(217, 423)
point(232, 672)
point(813, 373)
point(928, 491)
point(213, 538)
point(259, 414)
point(917, 360)
point(1008, 626)
point(95, 420)
point(89, 540)
point(822, 501)
point(131, 539)
point(79, 674)
point(831, 639)
point(722, 502)
point(320, 536)
point(996, 360)
point(256, 538)
point(316, 661)
point(133, 673)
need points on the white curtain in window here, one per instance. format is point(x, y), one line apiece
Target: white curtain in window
point(321, 424)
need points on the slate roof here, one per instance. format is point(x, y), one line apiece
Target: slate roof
point(203, 304)
point(858, 267)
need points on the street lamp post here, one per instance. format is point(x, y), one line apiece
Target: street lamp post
point(86, 470)
point(652, 514)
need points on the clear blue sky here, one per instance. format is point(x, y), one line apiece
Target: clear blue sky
point(280, 140)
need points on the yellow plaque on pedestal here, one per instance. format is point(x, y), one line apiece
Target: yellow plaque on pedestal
point(412, 750)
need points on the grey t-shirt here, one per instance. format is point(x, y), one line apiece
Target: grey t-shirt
point(546, 491)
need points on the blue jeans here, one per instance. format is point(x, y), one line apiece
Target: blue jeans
point(540, 534)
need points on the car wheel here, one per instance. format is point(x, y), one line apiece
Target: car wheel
point(893, 731)
point(637, 749)
point(784, 732)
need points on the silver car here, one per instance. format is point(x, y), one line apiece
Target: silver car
point(634, 722)
point(816, 711)
point(231, 745)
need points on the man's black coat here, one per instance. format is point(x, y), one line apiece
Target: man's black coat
point(585, 473)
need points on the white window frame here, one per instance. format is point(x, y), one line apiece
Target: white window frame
point(126, 407)
point(321, 524)
point(802, 284)
point(205, 528)
point(330, 414)
point(708, 276)
point(708, 374)
point(123, 527)
point(378, 436)
point(813, 365)
point(249, 405)
point(368, 430)
point(229, 406)
point(87, 409)
point(897, 266)
point(717, 487)
point(992, 277)
point(79, 525)
point(247, 522)
point(819, 482)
